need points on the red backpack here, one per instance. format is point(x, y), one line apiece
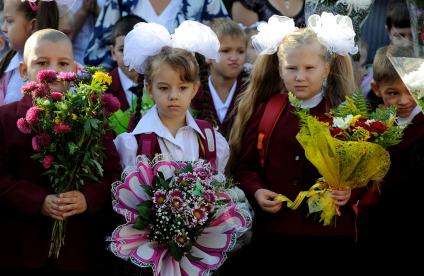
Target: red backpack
point(273, 110)
point(149, 146)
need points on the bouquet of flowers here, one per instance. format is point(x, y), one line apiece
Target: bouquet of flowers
point(347, 146)
point(411, 71)
point(68, 129)
point(181, 217)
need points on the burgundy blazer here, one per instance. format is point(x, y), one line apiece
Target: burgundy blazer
point(24, 230)
point(203, 103)
point(287, 172)
point(116, 89)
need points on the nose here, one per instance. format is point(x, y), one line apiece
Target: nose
point(174, 94)
point(3, 27)
point(55, 67)
point(299, 76)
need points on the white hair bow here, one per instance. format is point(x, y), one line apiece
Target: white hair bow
point(147, 39)
point(271, 34)
point(335, 32)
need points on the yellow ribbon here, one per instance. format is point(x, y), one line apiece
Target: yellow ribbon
point(315, 189)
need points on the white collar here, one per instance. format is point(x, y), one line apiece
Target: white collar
point(411, 116)
point(312, 102)
point(150, 122)
point(14, 62)
point(215, 97)
point(126, 82)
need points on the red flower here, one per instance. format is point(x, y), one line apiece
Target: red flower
point(47, 76)
point(40, 140)
point(110, 103)
point(23, 126)
point(337, 132)
point(32, 115)
point(48, 161)
point(61, 128)
point(378, 127)
point(56, 96)
point(361, 123)
point(27, 89)
point(325, 118)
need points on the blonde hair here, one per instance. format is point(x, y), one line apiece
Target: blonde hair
point(265, 81)
point(227, 27)
point(382, 68)
point(180, 60)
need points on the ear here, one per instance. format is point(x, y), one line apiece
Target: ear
point(374, 87)
point(32, 24)
point(112, 51)
point(23, 70)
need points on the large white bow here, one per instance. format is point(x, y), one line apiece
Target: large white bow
point(335, 32)
point(271, 34)
point(147, 39)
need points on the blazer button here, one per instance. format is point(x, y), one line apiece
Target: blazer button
point(297, 157)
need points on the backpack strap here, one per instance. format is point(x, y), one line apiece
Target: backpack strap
point(148, 144)
point(273, 109)
point(207, 145)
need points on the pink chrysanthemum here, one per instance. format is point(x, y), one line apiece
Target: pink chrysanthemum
point(48, 161)
point(67, 76)
point(209, 197)
point(61, 128)
point(29, 88)
point(182, 240)
point(199, 216)
point(23, 126)
point(32, 115)
point(110, 103)
point(56, 96)
point(47, 76)
point(159, 198)
point(40, 141)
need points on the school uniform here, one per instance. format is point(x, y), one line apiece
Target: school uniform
point(121, 88)
point(183, 147)
point(287, 172)
point(211, 108)
point(392, 229)
point(23, 188)
point(11, 82)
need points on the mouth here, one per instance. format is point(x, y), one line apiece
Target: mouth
point(234, 65)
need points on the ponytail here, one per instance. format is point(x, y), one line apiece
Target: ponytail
point(264, 82)
point(5, 61)
point(340, 81)
point(139, 103)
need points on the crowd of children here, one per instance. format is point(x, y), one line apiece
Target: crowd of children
point(216, 116)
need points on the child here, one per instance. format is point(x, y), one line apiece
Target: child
point(215, 101)
point(123, 80)
point(398, 24)
point(321, 79)
point(251, 54)
point(392, 225)
point(27, 203)
point(21, 18)
point(172, 78)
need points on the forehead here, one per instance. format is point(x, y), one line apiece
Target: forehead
point(49, 49)
point(232, 40)
point(119, 40)
point(396, 85)
point(400, 30)
point(309, 53)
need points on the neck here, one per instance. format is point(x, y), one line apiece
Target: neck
point(222, 85)
point(173, 124)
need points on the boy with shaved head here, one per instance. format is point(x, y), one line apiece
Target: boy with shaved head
point(28, 205)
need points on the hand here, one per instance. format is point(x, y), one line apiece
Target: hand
point(341, 197)
point(50, 207)
point(72, 203)
point(265, 199)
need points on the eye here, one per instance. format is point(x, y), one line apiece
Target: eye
point(241, 51)
point(225, 51)
point(42, 63)
point(309, 67)
point(290, 68)
point(392, 93)
point(64, 64)
point(163, 88)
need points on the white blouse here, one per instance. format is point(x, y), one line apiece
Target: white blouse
point(183, 147)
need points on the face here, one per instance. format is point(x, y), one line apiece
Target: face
point(117, 51)
point(171, 95)
point(66, 25)
point(15, 26)
point(401, 37)
point(397, 94)
point(233, 56)
point(304, 70)
point(48, 55)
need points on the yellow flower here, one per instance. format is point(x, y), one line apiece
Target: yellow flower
point(74, 116)
point(57, 120)
point(102, 78)
point(354, 119)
